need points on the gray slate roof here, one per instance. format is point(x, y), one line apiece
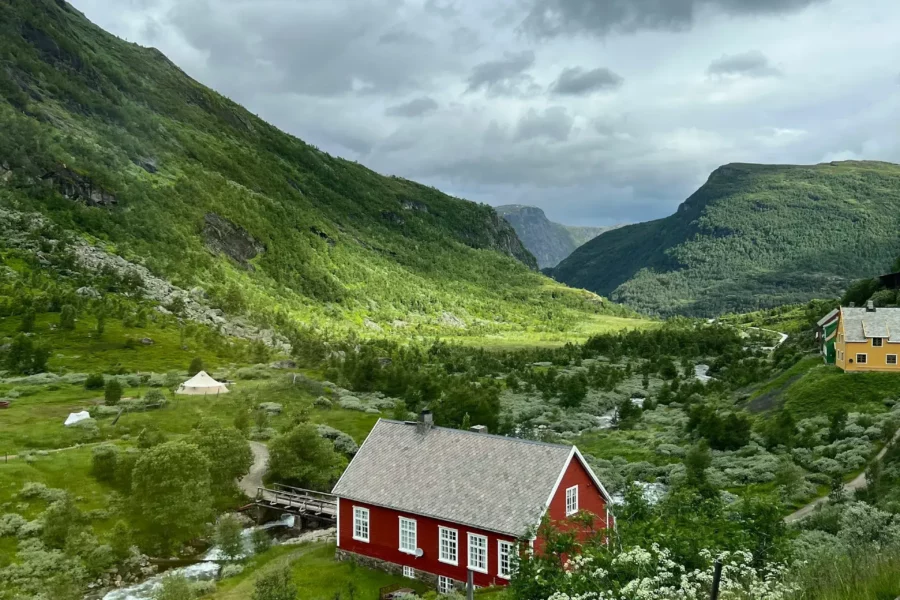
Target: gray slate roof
point(859, 324)
point(821, 322)
point(487, 481)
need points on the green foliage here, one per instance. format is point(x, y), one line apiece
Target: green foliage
point(171, 492)
point(154, 396)
point(103, 462)
point(94, 381)
point(67, 317)
point(277, 584)
point(227, 452)
point(302, 458)
point(112, 392)
point(260, 540)
point(752, 237)
point(27, 324)
point(195, 367)
point(26, 357)
point(174, 587)
point(723, 430)
point(228, 537)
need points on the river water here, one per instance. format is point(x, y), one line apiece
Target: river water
point(197, 572)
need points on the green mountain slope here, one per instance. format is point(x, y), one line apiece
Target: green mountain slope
point(549, 242)
point(113, 142)
point(752, 237)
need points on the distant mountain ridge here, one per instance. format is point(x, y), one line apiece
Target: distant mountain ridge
point(549, 242)
point(752, 237)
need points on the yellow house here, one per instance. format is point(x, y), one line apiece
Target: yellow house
point(868, 339)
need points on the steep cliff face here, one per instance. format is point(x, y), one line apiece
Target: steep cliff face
point(549, 242)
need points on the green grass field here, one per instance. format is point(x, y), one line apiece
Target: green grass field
point(824, 389)
point(317, 575)
point(593, 325)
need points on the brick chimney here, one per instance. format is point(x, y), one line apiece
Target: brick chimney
point(870, 306)
point(425, 422)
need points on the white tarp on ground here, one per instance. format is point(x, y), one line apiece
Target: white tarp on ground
point(201, 384)
point(75, 417)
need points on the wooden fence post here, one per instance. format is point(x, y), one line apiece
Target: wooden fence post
point(470, 585)
point(717, 579)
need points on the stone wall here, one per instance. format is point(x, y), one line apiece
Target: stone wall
point(383, 565)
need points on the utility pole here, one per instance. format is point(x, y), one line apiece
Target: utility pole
point(470, 585)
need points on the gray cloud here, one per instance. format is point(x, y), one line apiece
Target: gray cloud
point(747, 64)
point(503, 76)
point(548, 18)
point(578, 82)
point(357, 78)
point(554, 124)
point(413, 108)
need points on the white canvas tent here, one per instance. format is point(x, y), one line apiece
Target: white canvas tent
point(75, 417)
point(201, 384)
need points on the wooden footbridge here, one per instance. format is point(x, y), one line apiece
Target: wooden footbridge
point(306, 504)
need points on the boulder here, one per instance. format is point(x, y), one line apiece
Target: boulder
point(284, 364)
point(147, 341)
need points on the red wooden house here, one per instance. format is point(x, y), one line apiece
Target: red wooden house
point(433, 503)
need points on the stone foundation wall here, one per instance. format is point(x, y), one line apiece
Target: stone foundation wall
point(383, 565)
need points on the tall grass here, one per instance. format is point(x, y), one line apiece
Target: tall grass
point(867, 574)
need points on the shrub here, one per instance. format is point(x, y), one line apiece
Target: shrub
point(94, 381)
point(158, 380)
point(351, 403)
point(154, 396)
point(67, 317)
point(35, 490)
point(275, 585)
point(261, 540)
point(322, 402)
point(11, 523)
point(103, 462)
point(228, 537)
point(113, 392)
point(195, 367)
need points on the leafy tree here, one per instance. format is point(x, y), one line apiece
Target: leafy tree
point(154, 396)
point(627, 413)
point(171, 491)
point(27, 324)
point(228, 537)
point(103, 462)
point(25, 357)
point(837, 425)
point(260, 540)
point(302, 458)
point(697, 460)
point(67, 317)
point(780, 431)
point(94, 381)
point(242, 420)
point(59, 520)
point(151, 435)
point(226, 449)
point(195, 367)
point(121, 541)
point(277, 584)
point(113, 392)
point(101, 324)
point(574, 391)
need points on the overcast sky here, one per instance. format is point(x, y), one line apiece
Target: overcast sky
point(598, 111)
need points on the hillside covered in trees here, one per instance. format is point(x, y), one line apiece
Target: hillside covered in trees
point(752, 237)
point(113, 143)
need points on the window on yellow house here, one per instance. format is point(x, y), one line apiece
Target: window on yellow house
point(861, 359)
point(877, 342)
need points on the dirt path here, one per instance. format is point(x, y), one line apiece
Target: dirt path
point(253, 479)
point(858, 483)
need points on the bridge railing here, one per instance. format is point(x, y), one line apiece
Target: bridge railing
point(308, 500)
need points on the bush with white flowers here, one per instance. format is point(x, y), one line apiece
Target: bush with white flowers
point(650, 574)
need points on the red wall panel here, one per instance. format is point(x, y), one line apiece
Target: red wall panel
point(384, 542)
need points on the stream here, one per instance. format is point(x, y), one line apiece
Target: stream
point(205, 569)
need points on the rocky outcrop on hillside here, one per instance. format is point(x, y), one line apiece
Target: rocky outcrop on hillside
point(16, 230)
point(224, 237)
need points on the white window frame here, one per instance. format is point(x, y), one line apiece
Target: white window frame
point(888, 357)
point(482, 544)
point(507, 550)
point(865, 359)
point(571, 500)
point(409, 572)
point(444, 534)
point(360, 522)
point(411, 533)
point(879, 344)
point(445, 585)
